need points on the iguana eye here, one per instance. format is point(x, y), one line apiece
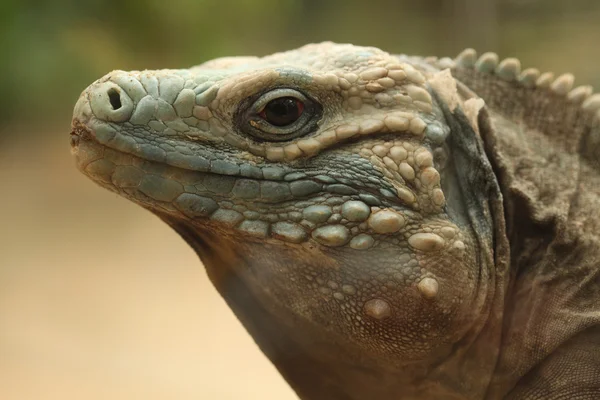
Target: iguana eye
point(282, 111)
point(279, 115)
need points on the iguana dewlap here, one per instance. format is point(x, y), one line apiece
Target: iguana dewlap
point(384, 226)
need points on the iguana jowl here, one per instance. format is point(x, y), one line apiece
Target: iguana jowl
point(385, 227)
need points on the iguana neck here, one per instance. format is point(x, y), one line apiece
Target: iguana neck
point(319, 367)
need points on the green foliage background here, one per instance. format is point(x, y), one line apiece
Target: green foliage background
point(52, 50)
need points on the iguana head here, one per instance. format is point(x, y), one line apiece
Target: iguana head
point(321, 182)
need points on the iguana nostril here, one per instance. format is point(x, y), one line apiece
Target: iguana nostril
point(115, 98)
point(109, 102)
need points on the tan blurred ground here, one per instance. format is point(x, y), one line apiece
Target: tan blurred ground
point(101, 300)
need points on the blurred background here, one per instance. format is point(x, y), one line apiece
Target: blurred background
point(98, 298)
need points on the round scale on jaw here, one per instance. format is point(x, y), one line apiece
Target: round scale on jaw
point(317, 213)
point(405, 195)
point(373, 73)
point(229, 217)
point(386, 221)
point(379, 150)
point(423, 158)
point(458, 247)
point(355, 211)
point(332, 235)
point(398, 153)
point(195, 206)
point(438, 198)
point(255, 228)
point(378, 309)
point(406, 171)
point(448, 232)
point(430, 176)
point(362, 242)
point(288, 231)
point(426, 241)
point(417, 126)
point(428, 287)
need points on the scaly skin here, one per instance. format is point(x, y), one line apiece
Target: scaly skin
point(400, 238)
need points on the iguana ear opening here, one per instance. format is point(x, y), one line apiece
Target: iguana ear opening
point(480, 201)
point(473, 177)
point(476, 179)
point(470, 125)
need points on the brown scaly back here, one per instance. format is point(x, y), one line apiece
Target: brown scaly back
point(533, 100)
point(543, 125)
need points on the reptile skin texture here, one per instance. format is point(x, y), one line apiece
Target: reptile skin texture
point(384, 226)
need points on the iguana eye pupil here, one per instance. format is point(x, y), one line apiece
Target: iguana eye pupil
point(282, 111)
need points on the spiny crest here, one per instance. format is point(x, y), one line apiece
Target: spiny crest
point(532, 100)
point(509, 70)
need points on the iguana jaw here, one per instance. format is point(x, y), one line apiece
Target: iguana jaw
point(147, 183)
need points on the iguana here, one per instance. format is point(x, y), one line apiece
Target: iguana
point(384, 226)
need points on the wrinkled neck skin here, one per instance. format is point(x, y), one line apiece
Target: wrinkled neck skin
point(315, 331)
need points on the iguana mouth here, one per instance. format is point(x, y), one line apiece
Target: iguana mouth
point(217, 202)
point(75, 136)
point(272, 179)
point(78, 131)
